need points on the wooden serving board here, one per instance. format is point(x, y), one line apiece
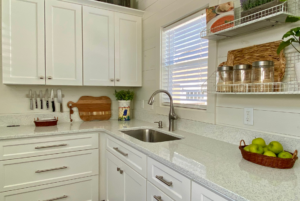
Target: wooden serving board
point(262, 52)
point(92, 108)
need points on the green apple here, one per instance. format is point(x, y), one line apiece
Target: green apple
point(259, 141)
point(266, 149)
point(269, 153)
point(275, 147)
point(285, 154)
point(254, 148)
point(247, 148)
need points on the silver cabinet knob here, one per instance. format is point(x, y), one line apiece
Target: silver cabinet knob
point(118, 80)
point(49, 78)
point(41, 77)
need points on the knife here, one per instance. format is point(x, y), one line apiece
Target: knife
point(35, 98)
point(59, 99)
point(52, 100)
point(31, 99)
point(47, 99)
point(41, 98)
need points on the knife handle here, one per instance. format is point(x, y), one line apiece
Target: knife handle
point(61, 108)
point(36, 104)
point(31, 104)
point(41, 104)
point(47, 104)
point(53, 106)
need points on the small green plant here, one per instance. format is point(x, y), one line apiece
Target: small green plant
point(248, 4)
point(124, 95)
point(291, 37)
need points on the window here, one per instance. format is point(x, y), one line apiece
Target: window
point(184, 62)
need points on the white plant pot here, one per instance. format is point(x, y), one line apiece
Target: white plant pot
point(297, 70)
point(124, 110)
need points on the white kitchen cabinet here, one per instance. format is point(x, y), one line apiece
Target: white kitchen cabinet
point(63, 43)
point(128, 50)
point(23, 42)
point(98, 47)
point(84, 189)
point(200, 193)
point(123, 183)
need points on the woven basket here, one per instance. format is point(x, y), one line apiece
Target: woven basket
point(281, 163)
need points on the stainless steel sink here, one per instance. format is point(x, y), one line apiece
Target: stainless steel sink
point(149, 135)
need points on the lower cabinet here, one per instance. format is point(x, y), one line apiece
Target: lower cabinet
point(85, 189)
point(122, 182)
point(200, 193)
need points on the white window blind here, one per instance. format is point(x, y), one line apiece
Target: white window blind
point(184, 62)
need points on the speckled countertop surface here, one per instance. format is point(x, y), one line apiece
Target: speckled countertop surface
point(217, 165)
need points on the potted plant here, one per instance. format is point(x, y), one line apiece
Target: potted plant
point(292, 37)
point(254, 6)
point(124, 98)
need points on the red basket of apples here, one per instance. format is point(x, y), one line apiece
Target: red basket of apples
point(271, 155)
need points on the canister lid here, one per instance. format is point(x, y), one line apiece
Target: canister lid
point(223, 68)
point(242, 67)
point(263, 64)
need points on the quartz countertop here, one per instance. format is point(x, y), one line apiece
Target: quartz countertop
point(215, 164)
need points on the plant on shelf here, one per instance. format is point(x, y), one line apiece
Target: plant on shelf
point(124, 98)
point(249, 4)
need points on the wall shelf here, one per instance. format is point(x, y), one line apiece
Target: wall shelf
point(269, 17)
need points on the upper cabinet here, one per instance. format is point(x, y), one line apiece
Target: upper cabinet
point(98, 47)
point(23, 42)
point(128, 52)
point(63, 43)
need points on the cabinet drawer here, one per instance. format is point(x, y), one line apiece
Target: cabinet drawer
point(199, 193)
point(132, 157)
point(85, 189)
point(172, 183)
point(21, 148)
point(154, 194)
point(21, 173)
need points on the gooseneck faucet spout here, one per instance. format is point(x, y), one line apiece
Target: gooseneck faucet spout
point(172, 114)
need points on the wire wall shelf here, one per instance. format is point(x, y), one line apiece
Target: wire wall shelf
point(266, 18)
point(289, 84)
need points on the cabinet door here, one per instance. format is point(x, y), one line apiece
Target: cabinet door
point(135, 185)
point(98, 47)
point(63, 43)
point(23, 42)
point(199, 193)
point(128, 50)
point(114, 180)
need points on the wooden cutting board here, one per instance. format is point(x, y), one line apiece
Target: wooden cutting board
point(92, 108)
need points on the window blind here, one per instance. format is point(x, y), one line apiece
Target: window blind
point(184, 62)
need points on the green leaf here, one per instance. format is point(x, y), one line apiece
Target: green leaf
point(285, 44)
point(292, 18)
point(287, 34)
point(282, 0)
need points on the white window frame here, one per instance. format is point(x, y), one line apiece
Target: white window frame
point(207, 115)
point(182, 21)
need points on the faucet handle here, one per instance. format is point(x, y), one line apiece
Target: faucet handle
point(159, 124)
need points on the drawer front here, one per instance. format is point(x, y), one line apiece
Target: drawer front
point(132, 157)
point(21, 173)
point(175, 185)
point(21, 148)
point(85, 189)
point(154, 194)
point(199, 193)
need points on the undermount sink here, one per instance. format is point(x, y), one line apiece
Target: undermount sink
point(149, 135)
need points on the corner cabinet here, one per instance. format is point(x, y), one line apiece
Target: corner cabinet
point(75, 43)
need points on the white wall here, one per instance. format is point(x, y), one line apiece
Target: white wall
point(272, 113)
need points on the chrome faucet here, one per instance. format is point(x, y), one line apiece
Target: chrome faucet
point(172, 114)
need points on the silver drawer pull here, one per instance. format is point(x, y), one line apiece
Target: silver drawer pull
point(47, 170)
point(58, 198)
point(158, 198)
point(161, 178)
point(121, 152)
point(51, 146)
